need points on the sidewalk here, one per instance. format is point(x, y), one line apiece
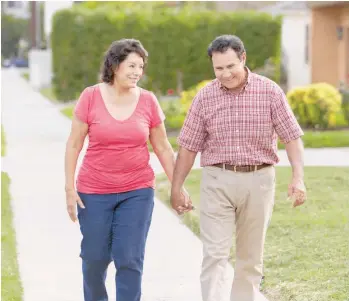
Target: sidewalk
point(49, 243)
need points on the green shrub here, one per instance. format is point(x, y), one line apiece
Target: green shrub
point(317, 106)
point(174, 116)
point(188, 96)
point(176, 42)
point(345, 104)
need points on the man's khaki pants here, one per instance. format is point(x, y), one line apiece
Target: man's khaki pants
point(240, 200)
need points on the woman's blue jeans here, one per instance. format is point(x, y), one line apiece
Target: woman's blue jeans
point(114, 228)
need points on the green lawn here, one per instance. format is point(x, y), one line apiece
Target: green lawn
point(25, 75)
point(306, 252)
point(11, 288)
point(68, 111)
point(48, 93)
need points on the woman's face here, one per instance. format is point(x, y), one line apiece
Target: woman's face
point(130, 71)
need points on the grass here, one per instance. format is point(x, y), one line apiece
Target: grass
point(25, 75)
point(11, 287)
point(317, 139)
point(306, 252)
point(68, 111)
point(49, 93)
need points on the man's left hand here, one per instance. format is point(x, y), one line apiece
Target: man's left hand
point(297, 192)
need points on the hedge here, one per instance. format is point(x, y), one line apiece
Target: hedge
point(176, 42)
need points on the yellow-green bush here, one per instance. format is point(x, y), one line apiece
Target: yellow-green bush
point(174, 116)
point(188, 96)
point(176, 111)
point(317, 106)
point(345, 104)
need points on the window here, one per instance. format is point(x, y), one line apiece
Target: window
point(14, 4)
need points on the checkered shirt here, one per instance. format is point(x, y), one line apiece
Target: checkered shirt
point(239, 128)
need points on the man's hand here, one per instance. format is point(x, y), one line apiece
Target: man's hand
point(297, 192)
point(180, 201)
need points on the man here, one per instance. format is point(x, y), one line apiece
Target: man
point(234, 122)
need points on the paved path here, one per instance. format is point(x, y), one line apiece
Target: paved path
point(48, 243)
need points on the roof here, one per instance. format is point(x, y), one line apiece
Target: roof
point(285, 7)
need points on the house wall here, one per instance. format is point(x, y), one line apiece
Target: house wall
point(17, 9)
point(294, 45)
point(329, 54)
point(344, 47)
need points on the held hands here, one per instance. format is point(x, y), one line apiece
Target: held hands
point(181, 202)
point(72, 199)
point(297, 192)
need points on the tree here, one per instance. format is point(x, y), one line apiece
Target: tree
point(12, 30)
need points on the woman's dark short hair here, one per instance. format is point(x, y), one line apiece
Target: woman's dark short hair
point(117, 53)
point(225, 42)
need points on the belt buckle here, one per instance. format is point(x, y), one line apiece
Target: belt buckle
point(234, 168)
point(255, 167)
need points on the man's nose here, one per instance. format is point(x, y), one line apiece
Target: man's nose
point(226, 74)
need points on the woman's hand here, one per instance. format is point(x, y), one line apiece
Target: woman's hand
point(181, 201)
point(72, 199)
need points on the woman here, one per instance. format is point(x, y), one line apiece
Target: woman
point(115, 185)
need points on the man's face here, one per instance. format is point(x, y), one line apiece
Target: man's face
point(229, 69)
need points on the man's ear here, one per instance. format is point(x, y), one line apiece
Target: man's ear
point(243, 58)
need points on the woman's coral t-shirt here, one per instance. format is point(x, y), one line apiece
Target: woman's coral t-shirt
point(117, 157)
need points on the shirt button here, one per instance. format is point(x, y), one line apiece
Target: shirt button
point(237, 114)
point(237, 131)
point(238, 147)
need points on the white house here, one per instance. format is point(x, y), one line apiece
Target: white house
point(40, 60)
point(295, 40)
point(17, 9)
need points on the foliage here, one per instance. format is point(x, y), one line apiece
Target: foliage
point(80, 36)
point(345, 103)
point(188, 96)
point(317, 105)
point(12, 30)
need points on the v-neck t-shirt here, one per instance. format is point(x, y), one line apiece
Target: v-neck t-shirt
point(117, 157)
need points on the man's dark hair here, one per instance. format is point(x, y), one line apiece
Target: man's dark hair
point(223, 43)
point(117, 53)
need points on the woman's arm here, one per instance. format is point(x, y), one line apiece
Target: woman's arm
point(73, 148)
point(167, 158)
point(163, 149)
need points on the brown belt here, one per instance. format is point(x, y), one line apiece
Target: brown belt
point(242, 168)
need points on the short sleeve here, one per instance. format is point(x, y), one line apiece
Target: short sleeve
point(157, 115)
point(284, 121)
point(193, 133)
point(83, 105)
